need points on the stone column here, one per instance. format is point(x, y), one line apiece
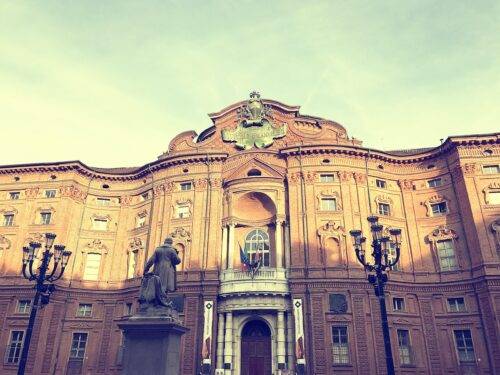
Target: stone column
point(289, 340)
point(287, 245)
point(280, 338)
point(223, 263)
point(230, 250)
point(279, 244)
point(220, 341)
point(228, 344)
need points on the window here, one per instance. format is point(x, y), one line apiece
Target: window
point(84, 310)
point(456, 304)
point(8, 220)
point(381, 184)
point(128, 308)
point(254, 173)
point(78, 345)
point(391, 255)
point(384, 209)
point(145, 196)
point(435, 182)
point(439, 208)
point(257, 245)
point(328, 204)
point(24, 306)
point(494, 197)
point(45, 218)
point(446, 254)
point(50, 193)
point(14, 347)
point(465, 347)
point(491, 169)
point(404, 347)
point(340, 345)
point(140, 221)
point(186, 186)
point(99, 224)
point(398, 304)
point(326, 178)
point(92, 266)
point(103, 201)
point(183, 211)
point(14, 195)
point(132, 263)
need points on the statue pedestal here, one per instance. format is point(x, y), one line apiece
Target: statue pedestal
point(152, 345)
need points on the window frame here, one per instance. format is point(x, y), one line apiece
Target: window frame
point(8, 222)
point(25, 311)
point(78, 349)
point(18, 349)
point(383, 212)
point(103, 222)
point(439, 212)
point(85, 313)
point(251, 249)
point(42, 216)
point(85, 272)
point(457, 310)
point(50, 193)
point(411, 360)
point(133, 257)
point(486, 169)
point(341, 345)
point(103, 201)
point(183, 186)
point(324, 178)
point(435, 182)
point(397, 300)
point(457, 349)
point(16, 194)
point(381, 184)
point(327, 206)
point(440, 257)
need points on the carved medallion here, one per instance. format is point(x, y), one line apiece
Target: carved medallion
point(338, 304)
point(254, 128)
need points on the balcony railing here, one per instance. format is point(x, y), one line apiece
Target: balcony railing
point(264, 281)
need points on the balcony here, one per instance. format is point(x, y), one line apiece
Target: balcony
point(266, 281)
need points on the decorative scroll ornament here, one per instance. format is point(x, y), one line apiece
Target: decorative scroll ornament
point(495, 228)
point(96, 246)
point(442, 233)
point(181, 235)
point(331, 230)
point(254, 128)
point(5, 243)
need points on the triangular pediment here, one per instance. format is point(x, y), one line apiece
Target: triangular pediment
point(253, 165)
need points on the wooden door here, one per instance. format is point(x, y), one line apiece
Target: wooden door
point(256, 349)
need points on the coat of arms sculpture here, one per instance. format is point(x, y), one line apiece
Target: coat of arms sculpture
point(254, 128)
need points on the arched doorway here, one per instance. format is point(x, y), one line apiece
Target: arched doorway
point(256, 349)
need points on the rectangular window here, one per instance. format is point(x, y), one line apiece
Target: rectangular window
point(494, 197)
point(439, 208)
point(456, 304)
point(491, 169)
point(128, 308)
point(24, 306)
point(391, 254)
point(103, 201)
point(465, 347)
point(398, 304)
point(132, 263)
point(84, 310)
point(50, 193)
point(92, 266)
point(8, 220)
point(14, 347)
point(326, 177)
point(435, 182)
point(381, 184)
point(328, 204)
point(404, 347)
point(45, 218)
point(78, 344)
point(186, 186)
point(100, 224)
point(340, 345)
point(384, 209)
point(446, 254)
point(14, 195)
point(183, 211)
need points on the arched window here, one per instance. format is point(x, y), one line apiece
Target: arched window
point(257, 242)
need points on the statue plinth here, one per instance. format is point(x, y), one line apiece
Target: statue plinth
point(152, 343)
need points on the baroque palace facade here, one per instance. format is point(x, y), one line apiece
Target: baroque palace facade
point(287, 188)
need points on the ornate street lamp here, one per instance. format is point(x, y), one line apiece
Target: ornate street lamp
point(382, 262)
point(44, 281)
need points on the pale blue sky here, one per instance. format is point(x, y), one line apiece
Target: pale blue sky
point(111, 82)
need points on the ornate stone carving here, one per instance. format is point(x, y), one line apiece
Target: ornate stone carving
point(310, 177)
point(469, 168)
point(294, 178)
point(73, 192)
point(442, 233)
point(331, 230)
point(338, 303)
point(135, 244)
point(200, 184)
point(254, 128)
point(495, 228)
point(345, 176)
point(215, 182)
point(159, 189)
point(360, 178)
point(95, 246)
point(126, 200)
point(5, 243)
point(34, 237)
point(494, 187)
point(32, 193)
point(405, 184)
point(384, 198)
point(181, 235)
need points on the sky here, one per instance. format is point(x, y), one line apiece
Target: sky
point(110, 83)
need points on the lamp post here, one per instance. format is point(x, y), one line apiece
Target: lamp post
point(44, 279)
point(382, 262)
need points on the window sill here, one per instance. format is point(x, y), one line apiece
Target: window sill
point(410, 365)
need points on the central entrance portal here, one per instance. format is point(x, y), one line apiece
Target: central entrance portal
point(256, 349)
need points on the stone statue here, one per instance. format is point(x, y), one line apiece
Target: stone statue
point(155, 285)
